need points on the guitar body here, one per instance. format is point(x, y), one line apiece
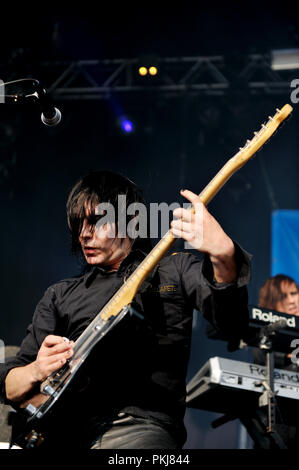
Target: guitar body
point(52, 428)
point(58, 409)
point(54, 409)
point(59, 421)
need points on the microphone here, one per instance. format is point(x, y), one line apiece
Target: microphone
point(271, 329)
point(50, 116)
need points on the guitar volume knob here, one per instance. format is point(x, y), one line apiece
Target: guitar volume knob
point(30, 409)
point(48, 390)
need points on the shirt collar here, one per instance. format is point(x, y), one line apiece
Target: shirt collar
point(127, 266)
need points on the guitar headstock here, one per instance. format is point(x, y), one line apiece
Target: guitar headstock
point(245, 153)
point(264, 134)
point(283, 113)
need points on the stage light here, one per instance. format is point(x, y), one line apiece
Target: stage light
point(142, 71)
point(147, 66)
point(153, 70)
point(127, 126)
point(285, 59)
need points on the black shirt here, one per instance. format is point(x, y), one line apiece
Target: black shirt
point(140, 366)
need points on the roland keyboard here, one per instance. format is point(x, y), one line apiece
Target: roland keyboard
point(234, 387)
point(260, 317)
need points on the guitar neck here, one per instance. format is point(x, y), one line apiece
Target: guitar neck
point(220, 179)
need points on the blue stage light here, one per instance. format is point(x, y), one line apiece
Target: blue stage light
point(127, 126)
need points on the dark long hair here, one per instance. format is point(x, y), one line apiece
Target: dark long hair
point(98, 187)
point(270, 293)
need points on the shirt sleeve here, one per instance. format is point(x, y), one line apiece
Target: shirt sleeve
point(224, 305)
point(43, 323)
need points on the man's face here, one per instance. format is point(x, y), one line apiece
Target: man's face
point(290, 302)
point(99, 244)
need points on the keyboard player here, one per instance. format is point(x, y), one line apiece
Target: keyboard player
point(280, 293)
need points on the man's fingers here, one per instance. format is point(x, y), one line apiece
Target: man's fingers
point(52, 340)
point(47, 364)
point(180, 225)
point(181, 234)
point(59, 348)
point(184, 214)
point(192, 197)
point(196, 205)
point(60, 357)
point(55, 344)
point(55, 365)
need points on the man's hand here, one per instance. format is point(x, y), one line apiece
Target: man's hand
point(52, 355)
point(201, 230)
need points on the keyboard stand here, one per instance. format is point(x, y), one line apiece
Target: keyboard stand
point(262, 427)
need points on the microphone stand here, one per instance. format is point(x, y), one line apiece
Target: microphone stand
point(268, 397)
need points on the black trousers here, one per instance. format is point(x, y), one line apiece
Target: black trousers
point(131, 432)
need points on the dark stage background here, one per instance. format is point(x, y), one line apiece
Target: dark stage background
point(180, 140)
